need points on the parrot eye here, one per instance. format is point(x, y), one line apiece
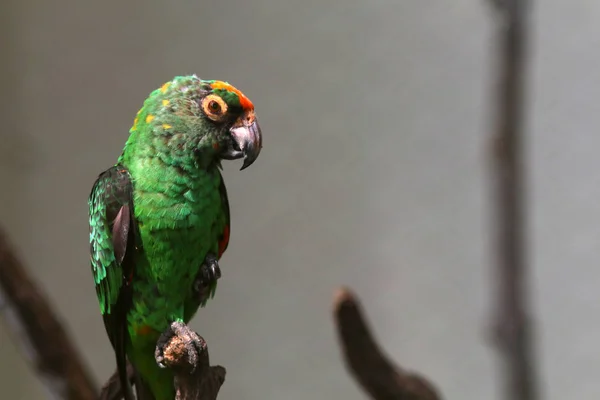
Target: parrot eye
point(214, 107)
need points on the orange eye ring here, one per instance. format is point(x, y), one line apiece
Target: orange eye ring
point(214, 107)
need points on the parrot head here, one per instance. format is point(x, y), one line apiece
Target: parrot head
point(204, 121)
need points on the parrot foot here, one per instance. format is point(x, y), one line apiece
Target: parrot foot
point(179, 338)
point(209, 273)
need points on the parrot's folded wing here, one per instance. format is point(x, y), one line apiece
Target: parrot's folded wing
point(112, 248)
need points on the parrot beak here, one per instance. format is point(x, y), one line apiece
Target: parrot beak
point(246, 140)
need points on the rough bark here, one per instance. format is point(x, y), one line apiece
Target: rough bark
point(195, 379)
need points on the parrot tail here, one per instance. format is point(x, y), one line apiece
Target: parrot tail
point(142, 389)
point(124, 376)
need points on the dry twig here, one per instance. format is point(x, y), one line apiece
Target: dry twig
point(366, 362)
point(42, 336)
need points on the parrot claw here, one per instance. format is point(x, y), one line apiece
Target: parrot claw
point(194, 344)
point(205, 283)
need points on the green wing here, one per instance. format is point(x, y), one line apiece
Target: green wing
point(112, 251)
point(110, 212)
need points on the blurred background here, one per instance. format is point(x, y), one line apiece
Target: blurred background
point(374, 174)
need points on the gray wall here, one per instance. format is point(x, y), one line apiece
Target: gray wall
point(373, 174)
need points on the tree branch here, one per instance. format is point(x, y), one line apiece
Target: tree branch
point(43, 339)
point(366, 362)
point(511, 318)
point(195, 379)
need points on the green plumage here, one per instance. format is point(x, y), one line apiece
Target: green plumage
point(154, 218)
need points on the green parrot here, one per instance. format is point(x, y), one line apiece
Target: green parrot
point(159, 220)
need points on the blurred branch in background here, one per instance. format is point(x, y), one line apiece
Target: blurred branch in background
point(511, 324)
point(365, 361)
point(43, 339)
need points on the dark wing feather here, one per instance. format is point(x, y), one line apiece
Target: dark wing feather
point(224, 239)
point(112, 250)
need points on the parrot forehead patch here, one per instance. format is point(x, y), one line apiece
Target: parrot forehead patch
point(244, 101)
